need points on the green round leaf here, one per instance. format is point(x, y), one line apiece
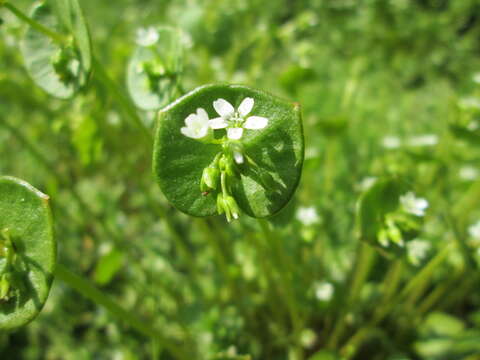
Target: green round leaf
point(25, 216)
point(278, 149)
point(153, 71)
point(60, 69)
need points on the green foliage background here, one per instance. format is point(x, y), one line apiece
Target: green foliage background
point(362, 70)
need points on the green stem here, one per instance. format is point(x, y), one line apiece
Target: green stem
point(439, 292)
point(214, 241)
point(223, 183)
point(412, 287)
point(283, 267)
point(263, 253)
point(58, 38)
point(425, 274)
point(85, 288)
point(359, 275)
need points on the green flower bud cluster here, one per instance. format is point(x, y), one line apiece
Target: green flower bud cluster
point(65, 63)
point(227, 205)
point(210, 177)
point(218, 177)
point(156, 71)
point(398, 228)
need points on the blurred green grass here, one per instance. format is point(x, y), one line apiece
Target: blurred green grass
point(362, 71)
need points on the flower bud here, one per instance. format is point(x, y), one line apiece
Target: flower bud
point(5, 286)
point(232, 206)
point(220, 204)
point(210, 177)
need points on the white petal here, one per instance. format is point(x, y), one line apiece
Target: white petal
point(202, 132)
point(223, 108)
point(234, 133)
point(147, 37)
point(255, 123)
point(422, 204)
point(217, 123)
point(190, 120)
point(202, 114)
point(238, 157)
point(194, 133)
point(186, 131)
point(246, 106)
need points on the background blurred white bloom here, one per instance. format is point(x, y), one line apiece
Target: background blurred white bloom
point(147, 36)
point(323, 290)
point(366, 183)
point(476, 78)
point(469, 103)
point(474, 230)
point(307, 215)
point(391, 142)
point(468, 172)
point(423, 140)
point(413, 205)
point(417, 250)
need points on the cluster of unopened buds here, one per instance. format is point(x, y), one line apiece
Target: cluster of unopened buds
point(223, 170)
point(406, 219)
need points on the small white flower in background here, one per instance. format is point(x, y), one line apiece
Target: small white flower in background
point(473, 125)
point(413, 205)
point(391, 142)
point(417, 250)
point(423, 140)
point(147, 36)
point(468, 173)
point(469, 103)
point(323, 290)
point(307, 215)
point(476, 78)
point(474, 230)
point(196, 125)
point(366, 183)
point(236, 120)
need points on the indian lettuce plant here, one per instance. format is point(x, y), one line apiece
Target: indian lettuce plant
point(341, 226)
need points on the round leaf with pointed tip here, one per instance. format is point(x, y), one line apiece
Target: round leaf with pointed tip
point(59, 69)
point(26, 220)
point(153, 71)
point(277, 149)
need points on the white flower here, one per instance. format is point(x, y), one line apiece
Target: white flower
point(147, 36)
point(307, 215)
point(417, 250)
point(236, 120)
point(196, 125)
point(323, 290)
point(366, 183)
point(468, 173)
point(423, 140)
point(413, 205)
point(476, 78)
point(469, 103)
point(474, 230)
point(391, 142)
